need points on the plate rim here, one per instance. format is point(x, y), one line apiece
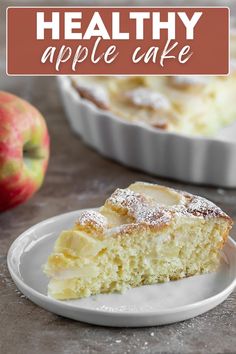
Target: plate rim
point(64, 304)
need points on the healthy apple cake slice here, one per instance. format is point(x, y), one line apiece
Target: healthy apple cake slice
point(144, 234)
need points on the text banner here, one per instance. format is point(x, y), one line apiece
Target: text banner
point(109, 41)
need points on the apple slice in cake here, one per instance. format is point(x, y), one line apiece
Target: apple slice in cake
point(144, 234)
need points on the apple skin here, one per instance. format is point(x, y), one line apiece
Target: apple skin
point(24, 150)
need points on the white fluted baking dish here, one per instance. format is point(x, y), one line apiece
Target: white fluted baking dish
point(184, 158)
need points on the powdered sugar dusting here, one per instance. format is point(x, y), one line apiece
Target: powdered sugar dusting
point(199, 206)
point(144, 97)
point(141, 210)
point(92, 218)
point(126, 200)
point(154, 216)
point(188, 81)
point(93, 91)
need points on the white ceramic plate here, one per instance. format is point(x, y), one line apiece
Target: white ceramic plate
point(145, 306)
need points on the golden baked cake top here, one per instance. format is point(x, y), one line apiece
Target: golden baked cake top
point(192, 105)
point(144, 206)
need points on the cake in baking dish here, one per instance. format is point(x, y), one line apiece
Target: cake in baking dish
point(144, 234)
point(192, 105)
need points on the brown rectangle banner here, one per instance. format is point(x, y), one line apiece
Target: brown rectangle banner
point(117, 40)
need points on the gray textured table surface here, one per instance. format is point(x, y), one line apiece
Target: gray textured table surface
point(77, 178)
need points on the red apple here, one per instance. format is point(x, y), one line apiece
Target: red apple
point(24, 150)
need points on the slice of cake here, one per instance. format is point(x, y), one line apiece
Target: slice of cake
point(190, 105)
point(144, 234)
